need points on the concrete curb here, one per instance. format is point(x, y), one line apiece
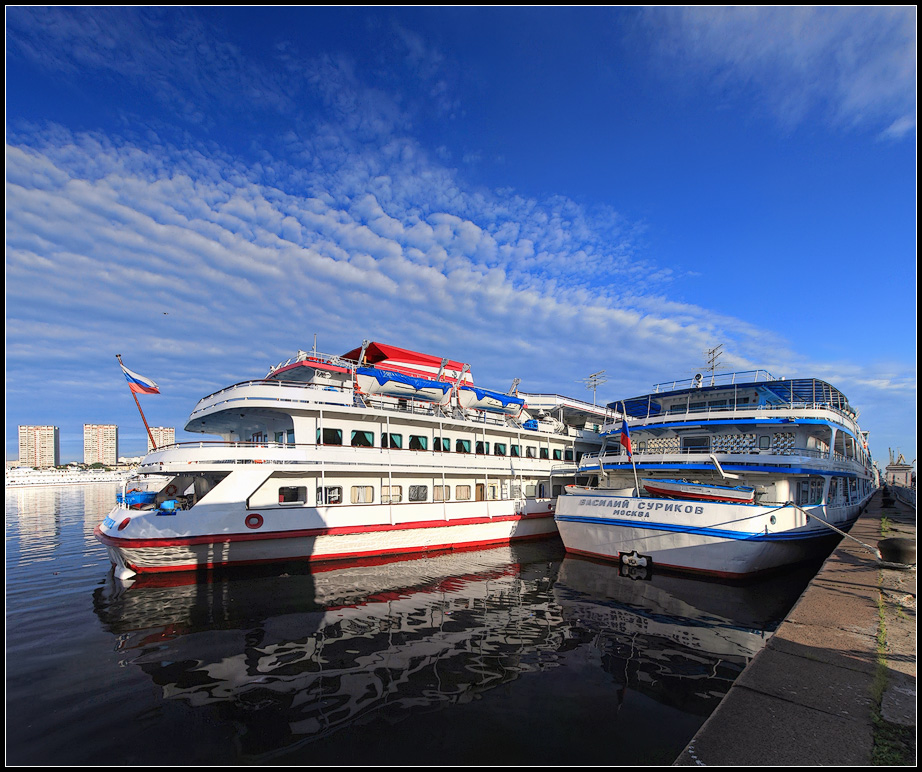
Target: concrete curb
point(810, 697)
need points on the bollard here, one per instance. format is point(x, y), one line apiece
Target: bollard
point(898, 550)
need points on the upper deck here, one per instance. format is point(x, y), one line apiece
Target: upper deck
point(746, 396)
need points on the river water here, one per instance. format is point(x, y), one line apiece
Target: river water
point(508, 656)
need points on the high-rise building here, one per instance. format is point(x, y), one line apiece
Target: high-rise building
point(163, 435)
point(39, 446)
point(100, 444)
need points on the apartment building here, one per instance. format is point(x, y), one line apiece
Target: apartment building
point(39, 446)
point(100, 444)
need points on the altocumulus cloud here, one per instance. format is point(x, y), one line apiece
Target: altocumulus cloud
point(108, 234)
point(207, 272)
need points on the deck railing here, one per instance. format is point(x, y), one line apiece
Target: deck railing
point(737, 411)
point(647, 455)
point(392, 404)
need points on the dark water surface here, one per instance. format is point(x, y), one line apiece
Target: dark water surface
point(508, 656)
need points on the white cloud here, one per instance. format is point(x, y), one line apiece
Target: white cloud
point(854, 66)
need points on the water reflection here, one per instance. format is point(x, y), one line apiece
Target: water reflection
point(296, 655)
point(679, 640)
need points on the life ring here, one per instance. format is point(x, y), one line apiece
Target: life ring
point(170, 490)
point(253, 521)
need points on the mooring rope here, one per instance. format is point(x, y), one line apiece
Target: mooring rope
point(873, 550)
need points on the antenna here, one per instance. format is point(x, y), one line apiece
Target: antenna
point(594, 381)
point(713, 355)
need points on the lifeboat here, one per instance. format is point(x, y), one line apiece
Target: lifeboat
point(685, 489)
point(474, 398)
point(386, 383)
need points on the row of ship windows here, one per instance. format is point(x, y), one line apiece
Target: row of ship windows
point(394, 494)
point(366, 439)
point(703, 444)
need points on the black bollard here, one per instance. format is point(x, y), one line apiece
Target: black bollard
point(898, 550)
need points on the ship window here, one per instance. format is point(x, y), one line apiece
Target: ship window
point(293, 494)
point(568, 454)
point(279, 437)
point(363, 439)
point(391, 494)
point(330, 495)
point(391, 440)
point(531, 452)
point(515, 451)
point(417, 442)
point(545, 453)
point(765, 443)
point(696, 444)
point(331, 436)
point(558, 456)
point(441, 493)
point(642, 447)
point(291, 436)
point(482, 448)
point(530, 491)
point(462, 492)
point(695, 407)
point(499, 449)
point(493, 492)
point(441, 444)
point(419, 493)
point(363, 494)
point(462, 446)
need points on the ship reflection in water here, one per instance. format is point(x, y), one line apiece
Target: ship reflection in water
point(295, 657)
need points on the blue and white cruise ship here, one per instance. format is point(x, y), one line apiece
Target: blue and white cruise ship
point(730, 475)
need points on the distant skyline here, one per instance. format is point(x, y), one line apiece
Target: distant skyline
point(544, 193)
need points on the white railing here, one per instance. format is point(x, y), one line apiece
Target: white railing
point(725, 379)
point(688, 454)
point(345, 394)
point(904, 493)
point(733, 411)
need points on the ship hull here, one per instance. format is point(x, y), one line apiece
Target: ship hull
point(189, 552)
point(720, 539)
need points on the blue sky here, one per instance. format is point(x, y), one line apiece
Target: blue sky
point(544, 193)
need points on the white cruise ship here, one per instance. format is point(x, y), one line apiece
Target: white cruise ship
point(379, 451)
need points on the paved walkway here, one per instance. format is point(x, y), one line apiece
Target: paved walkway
point(810, 697)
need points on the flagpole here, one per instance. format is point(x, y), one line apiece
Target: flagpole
point(630, 450)
point(149, 433)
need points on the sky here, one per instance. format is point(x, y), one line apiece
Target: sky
point(541, 192)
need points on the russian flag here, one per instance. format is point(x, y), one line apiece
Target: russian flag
point(626, 438)
point(138, 383)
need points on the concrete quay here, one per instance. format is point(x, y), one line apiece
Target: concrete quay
point(836, 684)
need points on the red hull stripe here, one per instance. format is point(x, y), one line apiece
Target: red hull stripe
point(309, 532)
point(336, 556)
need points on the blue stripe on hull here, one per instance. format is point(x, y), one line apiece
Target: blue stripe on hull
point(712, 532)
